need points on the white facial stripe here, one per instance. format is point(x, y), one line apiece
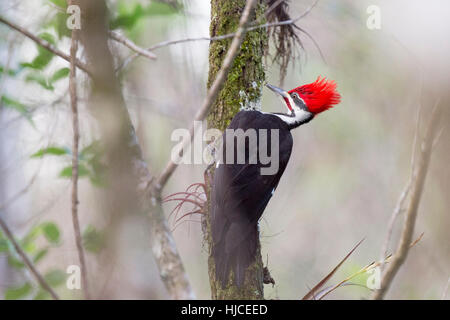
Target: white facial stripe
point(299, 116)
point(291, 102)
point(302, 100)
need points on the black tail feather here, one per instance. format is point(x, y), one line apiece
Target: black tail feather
point(237, 257)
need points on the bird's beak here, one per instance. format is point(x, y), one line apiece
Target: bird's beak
point(280, 91)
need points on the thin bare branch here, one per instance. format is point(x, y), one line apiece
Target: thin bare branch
point(40, 279)
point(214, 89)
point(367, 268)
point(312, 293)
point(400, 203)
point(162, 44)
point(271, 8)
point(322, 56)
point(125, 151)
point(76, 140)
point(44, 44)
point(416, 193)
point(164, 251)
point(24, 190)
point(438, 137)
point(130, 44)
point(120, 38)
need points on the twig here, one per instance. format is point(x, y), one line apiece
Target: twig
point(40, 279)
point(44, 44)
point(120, 38)
point(270, 9)
point(105, 83)
point(130, 44)
point(162, 44)
point(367, 268)
point(312, 293)
point(165, 253)
point(8, 202)
point(230, 35)
point(76, 140)
point(410, 219)
point(438, 137)
point(404, 194)
point(214, 89)
point(6, 67)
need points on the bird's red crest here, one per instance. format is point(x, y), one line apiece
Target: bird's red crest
point(319, 96)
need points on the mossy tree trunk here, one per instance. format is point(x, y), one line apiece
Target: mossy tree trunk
point(242, 89)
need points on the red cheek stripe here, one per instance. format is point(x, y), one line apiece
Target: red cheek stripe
point(287, 103)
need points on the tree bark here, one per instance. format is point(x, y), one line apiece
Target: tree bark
point(129, 180)
point(242, 89)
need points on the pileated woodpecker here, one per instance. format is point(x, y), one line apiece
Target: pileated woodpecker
point(240, 193)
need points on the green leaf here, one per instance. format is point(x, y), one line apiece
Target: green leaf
point(39, 79)
point(9, 102)
point(15, 263)
point(42, 295)
point(51, 232)
point(59, 74)
point(3, 245)
point(48, 37)
point(91, 149)
point(160, 9)
point(40, 61)
point(19, 107)
point(58, 23)
point(31, 235)
point(40, 255)
point(91, 156)
point(67, 171)
point(17, 293)
point(98, 180)
point(10, 71)
point(128, 17)
point(98, 175)
point(93, 240)
point(55, 277)
point(59, 3)
point(44, 56)
point(55, 151)
point(29, 247)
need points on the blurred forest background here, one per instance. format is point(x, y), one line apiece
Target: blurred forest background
point(345, 176)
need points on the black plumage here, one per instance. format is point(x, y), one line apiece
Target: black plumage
point(240, 194)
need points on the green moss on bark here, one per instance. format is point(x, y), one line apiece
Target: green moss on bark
point(246, 77)
point(241, 90)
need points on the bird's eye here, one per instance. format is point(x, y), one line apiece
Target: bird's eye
point(295, 95)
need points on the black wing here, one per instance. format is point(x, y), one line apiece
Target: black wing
point(240, 193)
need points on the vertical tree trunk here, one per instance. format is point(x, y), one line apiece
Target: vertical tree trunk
point(242, 89)
point(128, 176)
